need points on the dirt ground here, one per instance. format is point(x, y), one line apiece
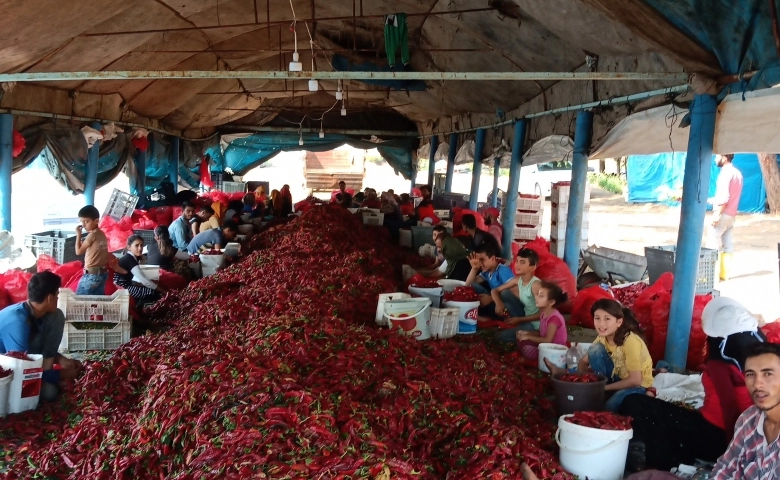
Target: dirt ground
point(630, 227)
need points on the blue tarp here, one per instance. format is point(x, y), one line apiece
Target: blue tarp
point(659, 178)
point(243, 154)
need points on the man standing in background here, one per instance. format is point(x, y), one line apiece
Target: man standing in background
point(724, 212)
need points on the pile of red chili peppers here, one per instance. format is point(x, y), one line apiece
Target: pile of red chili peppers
point(600, 420)
point(274, 368)
point(462, 294)
point(580, 377)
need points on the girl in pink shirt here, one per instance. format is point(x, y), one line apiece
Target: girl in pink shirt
point(552, 326)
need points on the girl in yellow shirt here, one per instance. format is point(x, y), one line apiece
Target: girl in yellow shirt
point(618, 353)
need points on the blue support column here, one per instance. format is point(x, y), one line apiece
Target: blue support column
point(477, 169)
point(90, 173)
point(432, 161)
point(512, 191)
point(496, 171)
point(694, 206)
point(173, 163)
point(6, 168)
point(451, 162)
point(140, 167)
point(579, 179)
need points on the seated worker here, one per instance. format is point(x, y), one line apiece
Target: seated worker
point(134, 281)
point(372, 200)
point(358, 199)
point(477, 236)
point(407, 205)
point(425, 209)
point(490, 215)
point(216, 238)
point(283, 205)
point(453, 252)
point(552, 326)
point(203, 220)
point(665, 434)
point(487, 274)
point(249, 203)
point(163, 254)
point(619, 353)
point(234, 211)
point(517, 298)
point(36, 327)
point(180, 229)
point(260, 196)
point(754, 451)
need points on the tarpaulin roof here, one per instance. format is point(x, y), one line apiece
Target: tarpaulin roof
point(714, 37)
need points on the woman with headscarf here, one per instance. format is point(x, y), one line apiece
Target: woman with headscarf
point(665, 434)
point(371, 201)
point(260, 196)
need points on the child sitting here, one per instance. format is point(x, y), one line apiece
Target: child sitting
point(487, 274)
point(552, 326)
point(518, 297)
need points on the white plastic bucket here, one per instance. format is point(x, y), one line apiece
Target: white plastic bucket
point(212, 261)
point(25, 388)
point(468, 313)
point(412, 316)
point(5, 389)
point(434, 294)
point(591, 452)
point(553, 352)
point(467, 327)
point(451, 285)
point(380, 307)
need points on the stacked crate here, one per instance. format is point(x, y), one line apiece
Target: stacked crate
point(94, 322)
point(559, 199)
point(528, 220)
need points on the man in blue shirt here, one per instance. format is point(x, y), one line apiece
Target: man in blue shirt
point(181, 228)
point(36, 327)
point(216, 238)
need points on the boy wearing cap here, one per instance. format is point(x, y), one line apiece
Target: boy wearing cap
point(666, 435)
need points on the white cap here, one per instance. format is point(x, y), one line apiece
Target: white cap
point(724, 316)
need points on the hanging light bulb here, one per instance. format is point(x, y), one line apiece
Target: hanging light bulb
point(339, 94)
point(322, 133)
point(300, 140)
point(295, 65)
point(343, 109)
point(314, 85)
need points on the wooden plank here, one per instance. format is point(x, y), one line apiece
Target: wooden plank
point(647, 22)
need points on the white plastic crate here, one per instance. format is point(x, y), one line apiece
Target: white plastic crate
point(58, 244)
point(120, 205)
point(233, 187)
point(152, 272)
point(373, 219)
point(557, 246)
point(95, 308)
point(560, 193)
point(77, 340)
point(447, 224)
point(444, 322)
point(530, 204)
point(560, 233)
point(442, 214)
point(525, 233)
point(528, 219)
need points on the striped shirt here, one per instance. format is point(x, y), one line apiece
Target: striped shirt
point(749, 455)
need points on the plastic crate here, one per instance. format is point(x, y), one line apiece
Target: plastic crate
point(151, 272)
point(120, 205)
point(442, 214)
point(373, 219)
point(59, 245)
point(233, 187)
point(560, 193)
point(444, 322)
point(421, 236)
point(95, 308)
point(528, 219)
point(147, 235)
point(661, 259)
point(530, 204)
point(76, 340)
point(559, 233)
point(525, 233)
point(557, 246)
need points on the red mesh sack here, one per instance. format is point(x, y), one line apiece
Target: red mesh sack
point(116, 233)
point(553, 269)
point(580, 309)
point(697, 344)
point(161, 215)
point(171, 281)
point(68, 272)
point(659, 318)
point(644, 303)
point(772, 331)
point(15, 284)
point(46, 262)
